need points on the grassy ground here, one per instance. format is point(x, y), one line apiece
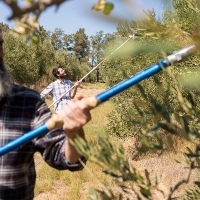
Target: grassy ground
point(64, 185)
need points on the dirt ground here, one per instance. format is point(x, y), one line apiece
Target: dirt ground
point(88, 92)
point(169, 171)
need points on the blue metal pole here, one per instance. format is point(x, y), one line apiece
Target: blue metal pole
point(131, 81)
point(23, 139)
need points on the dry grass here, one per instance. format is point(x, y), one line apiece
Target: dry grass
point(93, 86)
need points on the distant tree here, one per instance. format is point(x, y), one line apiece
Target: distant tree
point(43, 34)
point(96, 50)
point(68, 42)
point(56, 38)
point(109, 37)
point(20, 60)
point(26, 61)
point(96, 47)
point(123, 28)
point(60, 58)
point(81, 45)
point(44, 56)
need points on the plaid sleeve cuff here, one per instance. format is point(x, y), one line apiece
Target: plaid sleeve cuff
point(62, 163)
point(72, 166)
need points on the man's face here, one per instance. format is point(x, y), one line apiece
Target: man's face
point(61, 73)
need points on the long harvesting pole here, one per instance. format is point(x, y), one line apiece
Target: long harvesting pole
point(56, 121)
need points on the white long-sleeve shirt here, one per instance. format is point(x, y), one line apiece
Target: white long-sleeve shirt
point(56, 89)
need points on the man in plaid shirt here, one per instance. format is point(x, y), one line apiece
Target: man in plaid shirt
point(58, 88)
point(21, 110)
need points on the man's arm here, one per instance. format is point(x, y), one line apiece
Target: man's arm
point(70, 152)
point(46, 91)
point(75, 89)
point(75, 116)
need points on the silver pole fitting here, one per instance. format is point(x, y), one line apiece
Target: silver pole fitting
point(181, 54)
point(133, 36)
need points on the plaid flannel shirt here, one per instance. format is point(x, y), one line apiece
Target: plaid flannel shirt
point(56, 89)
point(21, 112)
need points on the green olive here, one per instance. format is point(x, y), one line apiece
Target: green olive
point(35, 39)
point(108, 7)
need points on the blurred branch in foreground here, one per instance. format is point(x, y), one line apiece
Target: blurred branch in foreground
point(26, 15)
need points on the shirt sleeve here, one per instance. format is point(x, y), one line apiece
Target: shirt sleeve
point(70, 85)
point(52, 145)
point(46, 91)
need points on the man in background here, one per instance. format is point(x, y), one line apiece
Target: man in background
point(58, 88)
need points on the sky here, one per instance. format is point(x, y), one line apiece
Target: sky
point(75, 14)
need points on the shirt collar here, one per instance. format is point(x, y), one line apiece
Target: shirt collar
point(60, 81)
